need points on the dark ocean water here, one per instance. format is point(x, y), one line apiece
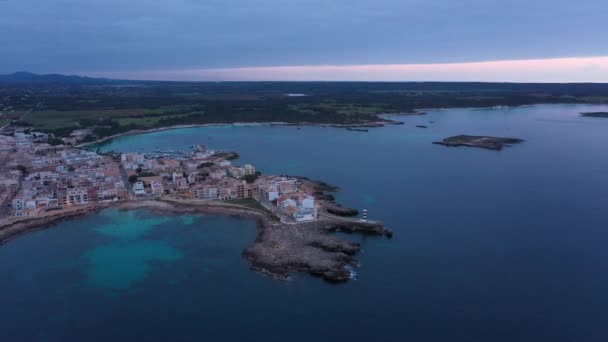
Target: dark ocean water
point(488, 246)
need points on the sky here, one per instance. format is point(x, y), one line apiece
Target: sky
point(393, 40)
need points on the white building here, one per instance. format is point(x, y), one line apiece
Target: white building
point(206, 192)
point(138, 189)
point(308, 202)
point(78, 196)
point(157, 188)
point(285, 203)
point(249, 170)
point(236, 172)
point(303, 215)
point(217, 174)
point(272, 194)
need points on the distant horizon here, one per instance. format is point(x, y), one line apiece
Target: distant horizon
point(550, 70)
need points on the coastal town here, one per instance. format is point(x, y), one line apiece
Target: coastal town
point(44, 181)
point(37, 178)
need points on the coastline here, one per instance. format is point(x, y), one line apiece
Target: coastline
point(11, 228)
point(277, 123)
point(279, 249)
point(371, 124)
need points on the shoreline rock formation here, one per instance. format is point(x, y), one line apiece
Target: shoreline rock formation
point(486, 142)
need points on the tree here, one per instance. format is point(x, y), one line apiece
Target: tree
point(55, 142)
point(204, 165)
point(132, 179)
point(147, 174)
point(23, 169)
point(250, 178)
point(71, 168)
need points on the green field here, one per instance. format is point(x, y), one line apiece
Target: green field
point(122, 119)
point(147, 122)
point(340, 108)
point(52, 119)
point(250, 203)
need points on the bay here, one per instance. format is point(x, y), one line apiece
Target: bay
point(488, 246)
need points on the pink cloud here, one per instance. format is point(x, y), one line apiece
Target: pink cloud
point(578, 69)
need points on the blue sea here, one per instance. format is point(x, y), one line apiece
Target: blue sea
point(488, 246)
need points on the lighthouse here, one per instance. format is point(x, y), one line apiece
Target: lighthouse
point(364, 215)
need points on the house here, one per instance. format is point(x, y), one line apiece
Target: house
point(157, 188)
point(19, 203)
point(121, 190)
point(206, 192)
point(304, 214)
point(139, 189)
point(26, 212)
point(236, 172)
point(217, 174)
point(287, 186)
point(77, 196)
point(285, 202)
point(248, 170)
point(271, 193)
point(308, 202)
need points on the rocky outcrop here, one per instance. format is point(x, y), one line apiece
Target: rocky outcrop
point(388, 232)
point(336, 209)
point(283, 249)
point(595, 114)
point(279, 249)
point(318, 189)
point(358, 227)
point(228, 155)
point(357, 129)
point(486, 142)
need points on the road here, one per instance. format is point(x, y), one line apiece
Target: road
point(349, 219)
point(24, 116)
point(125, 179)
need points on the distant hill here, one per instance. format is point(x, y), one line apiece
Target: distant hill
point(24, 77)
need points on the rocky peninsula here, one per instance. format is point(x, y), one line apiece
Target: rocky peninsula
point(279, 250)
point(296, 216)
point(485, 142)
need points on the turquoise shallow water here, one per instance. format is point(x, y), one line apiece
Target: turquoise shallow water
point(488, 246)
point(127, 258)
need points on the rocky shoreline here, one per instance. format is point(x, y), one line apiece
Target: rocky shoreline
point(279, 249)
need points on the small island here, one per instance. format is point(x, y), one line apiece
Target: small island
point(595, 115)
point(486, 142)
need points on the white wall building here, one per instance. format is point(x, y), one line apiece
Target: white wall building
point(138, 189)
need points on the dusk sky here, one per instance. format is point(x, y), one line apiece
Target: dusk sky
point(553, 40)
